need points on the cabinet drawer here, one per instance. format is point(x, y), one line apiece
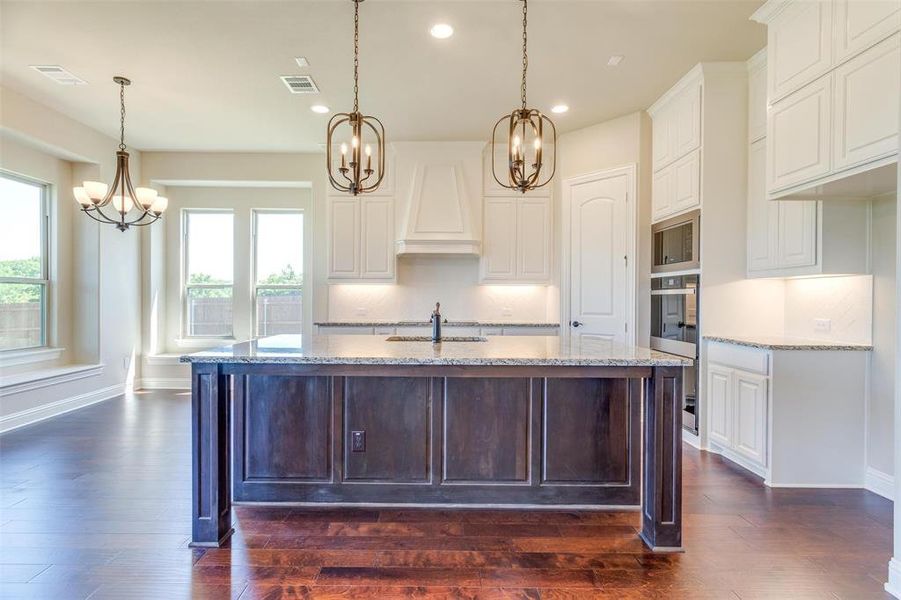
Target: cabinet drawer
point(739, 357)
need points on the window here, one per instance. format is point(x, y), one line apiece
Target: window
point(208, 273)
point(278, 272)
point(23, 263)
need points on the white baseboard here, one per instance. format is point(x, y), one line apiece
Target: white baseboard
point(691, 439)
point(174, 383)
point(893, 585)
point(53, 409)
point(880, 483)
point(739, 460)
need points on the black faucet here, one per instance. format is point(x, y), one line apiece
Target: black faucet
point(436, 324)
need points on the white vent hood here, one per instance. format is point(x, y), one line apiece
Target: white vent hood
point(438, 189)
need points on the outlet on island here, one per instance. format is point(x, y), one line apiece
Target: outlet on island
point(358, 441)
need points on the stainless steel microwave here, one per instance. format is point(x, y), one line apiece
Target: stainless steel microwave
point(676, 243)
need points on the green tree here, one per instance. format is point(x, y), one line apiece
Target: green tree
point(287, 276)
point(16, 293)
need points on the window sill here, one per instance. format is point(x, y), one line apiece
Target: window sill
point(32, 380)
point(204, 343)
point(29, 356)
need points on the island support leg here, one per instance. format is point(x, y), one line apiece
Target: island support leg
point(661, 508)
point(211, 499)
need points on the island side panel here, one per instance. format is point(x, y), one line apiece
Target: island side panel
point(662, 500)
point(211, 505)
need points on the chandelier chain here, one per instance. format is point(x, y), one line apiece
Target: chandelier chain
point(525, 51)
point(122, 116)
point(356, 55)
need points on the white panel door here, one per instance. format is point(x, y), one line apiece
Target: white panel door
point(662, 194)
point(686, 183)
point(377, 229)
point(686, 124)
point(344, 238)
point(598, 258)
point(798, 140)
point(499, 239)
point(799, 46)
point(797, 243)
point(867, 92)
point(719, 404)
point(533, 239)
point(750, 406)
point(763, 215)
point(861, 23)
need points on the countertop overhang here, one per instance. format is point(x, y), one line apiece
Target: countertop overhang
point(538, 351)
point(778, 342)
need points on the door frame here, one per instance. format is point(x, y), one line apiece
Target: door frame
point(631, 244)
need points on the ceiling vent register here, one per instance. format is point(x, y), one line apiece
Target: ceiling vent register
point(300, 84)
point(59, 74)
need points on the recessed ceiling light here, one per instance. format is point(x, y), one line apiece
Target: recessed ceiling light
point(302, 62)
point(615, 60)
point(442, 31)
point(559, 108)
point(319, 108)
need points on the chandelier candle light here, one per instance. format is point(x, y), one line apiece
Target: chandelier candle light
point(351, 175)
point(525, 137)
point(94, 196)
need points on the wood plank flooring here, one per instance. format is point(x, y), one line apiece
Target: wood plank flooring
point(96, 504)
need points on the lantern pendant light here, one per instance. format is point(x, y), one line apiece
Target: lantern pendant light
point(130, 206)
point(351, 175)
point(526, 129)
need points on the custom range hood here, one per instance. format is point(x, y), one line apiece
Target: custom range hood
point(438, 189)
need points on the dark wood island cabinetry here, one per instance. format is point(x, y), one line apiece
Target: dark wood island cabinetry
point(527, 422)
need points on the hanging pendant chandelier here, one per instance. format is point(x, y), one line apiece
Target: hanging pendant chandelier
point(526, 129)
point(350, 175)
point(130, 205)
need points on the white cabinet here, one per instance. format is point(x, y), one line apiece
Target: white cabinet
point(360, 238)
point(719, 405)
point(750, 418)
point(757, 96)
point(861, 23)
point(517, 240)
point(798, 140)
point(866, 105)
point(799, 43)
point(677, 121)
point(676, 187)
point(797, 239)
point(661, 194)
point(763, 214)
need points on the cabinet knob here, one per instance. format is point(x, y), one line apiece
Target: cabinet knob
point(575, 323)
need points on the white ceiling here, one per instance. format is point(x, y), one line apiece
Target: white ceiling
point(206, 72)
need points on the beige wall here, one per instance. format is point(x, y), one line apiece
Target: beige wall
point(881, 422)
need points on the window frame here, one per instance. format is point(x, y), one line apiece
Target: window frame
point(254, 285)
point(44, 280)
point(186, 287)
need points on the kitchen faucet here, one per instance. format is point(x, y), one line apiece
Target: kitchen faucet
point(436, 324)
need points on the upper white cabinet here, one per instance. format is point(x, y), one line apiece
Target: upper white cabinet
point(763, 214)
point(361, 238)
point(757, 103)
point(517, 234)
point(834, 89)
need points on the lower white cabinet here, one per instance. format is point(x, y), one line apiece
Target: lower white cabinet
point(361, 238)
point(737, 412)
point(516, 240)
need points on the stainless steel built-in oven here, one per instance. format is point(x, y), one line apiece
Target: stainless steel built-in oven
point(674, 329)
point(676, 244)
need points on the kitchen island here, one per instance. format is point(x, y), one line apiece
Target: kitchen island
point(528, 422)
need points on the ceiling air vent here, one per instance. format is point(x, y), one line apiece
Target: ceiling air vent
point(59, 74)
point(300, 84)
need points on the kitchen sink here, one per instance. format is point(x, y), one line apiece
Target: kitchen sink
point(426, 338)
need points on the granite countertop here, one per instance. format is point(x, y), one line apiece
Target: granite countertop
point(774, 342)
point(376, 350)
point(444, 323)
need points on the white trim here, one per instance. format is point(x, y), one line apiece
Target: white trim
point(166, 360)
point(816, 486)
point(205, 343)
point(691, 439)
point(879, 483)
point(53, 409)
point(29, 356)
point(893, 585)
point(159, 383)
point(742, 462)
point(33, 380)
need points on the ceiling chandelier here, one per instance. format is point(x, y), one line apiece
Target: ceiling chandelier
point(130, 205)
point(350, 175)
point(525, 137)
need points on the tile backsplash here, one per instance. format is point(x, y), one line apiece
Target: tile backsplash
point(830, 308)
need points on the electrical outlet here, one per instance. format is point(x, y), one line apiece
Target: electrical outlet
point(361, 311)
point(126, 361)
point(507, 311)
point(358, 441)
point(822, 325)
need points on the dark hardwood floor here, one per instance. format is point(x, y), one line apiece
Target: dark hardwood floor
point(96, 504)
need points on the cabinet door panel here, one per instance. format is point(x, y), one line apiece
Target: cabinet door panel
point(499, 239)
point(798, 140)
point(719, 402)
point(866, 105)
point(799, 46)
point(861, 23)
point(686, 183)
point(763, 215)
point(797, 234)
point(661, 194)
point(533, 240)
point(757, 102)
point(377, 225)
point(686, 124)
point(661, 137)
point(750, 405)
point(344, 238)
